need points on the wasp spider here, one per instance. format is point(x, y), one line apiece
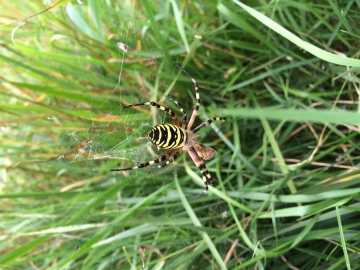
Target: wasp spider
point(177, 138)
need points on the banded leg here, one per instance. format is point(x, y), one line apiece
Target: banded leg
point(154, 104)
point(171, 160)
point(202, 168)
point(152, 162)
point(208, 122)
point(184, 116)
point(197, 96)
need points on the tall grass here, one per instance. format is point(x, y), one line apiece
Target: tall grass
point(286, 179)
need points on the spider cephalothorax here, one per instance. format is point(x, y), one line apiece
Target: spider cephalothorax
point(177, 138)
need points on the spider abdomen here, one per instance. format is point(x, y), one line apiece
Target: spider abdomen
point(167, 136)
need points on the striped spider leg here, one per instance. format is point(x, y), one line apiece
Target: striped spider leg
point(199, 152)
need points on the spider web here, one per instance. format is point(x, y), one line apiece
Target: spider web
point(117, 138)
point(97, 142)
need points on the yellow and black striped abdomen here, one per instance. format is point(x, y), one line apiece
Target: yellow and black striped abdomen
point(167, 136)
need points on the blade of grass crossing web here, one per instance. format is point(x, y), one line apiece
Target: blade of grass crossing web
point(87, 246)
point(209, 243)
point(15, 253)
point(217, 192)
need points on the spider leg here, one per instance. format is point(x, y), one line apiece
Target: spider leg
point(184, 116)
point(152, 162)
point(171, 160)
point(208, 122)
point(197, 96)
point(154, 104)
point(202, 168)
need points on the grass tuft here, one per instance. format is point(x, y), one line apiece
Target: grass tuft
point(286, 175)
